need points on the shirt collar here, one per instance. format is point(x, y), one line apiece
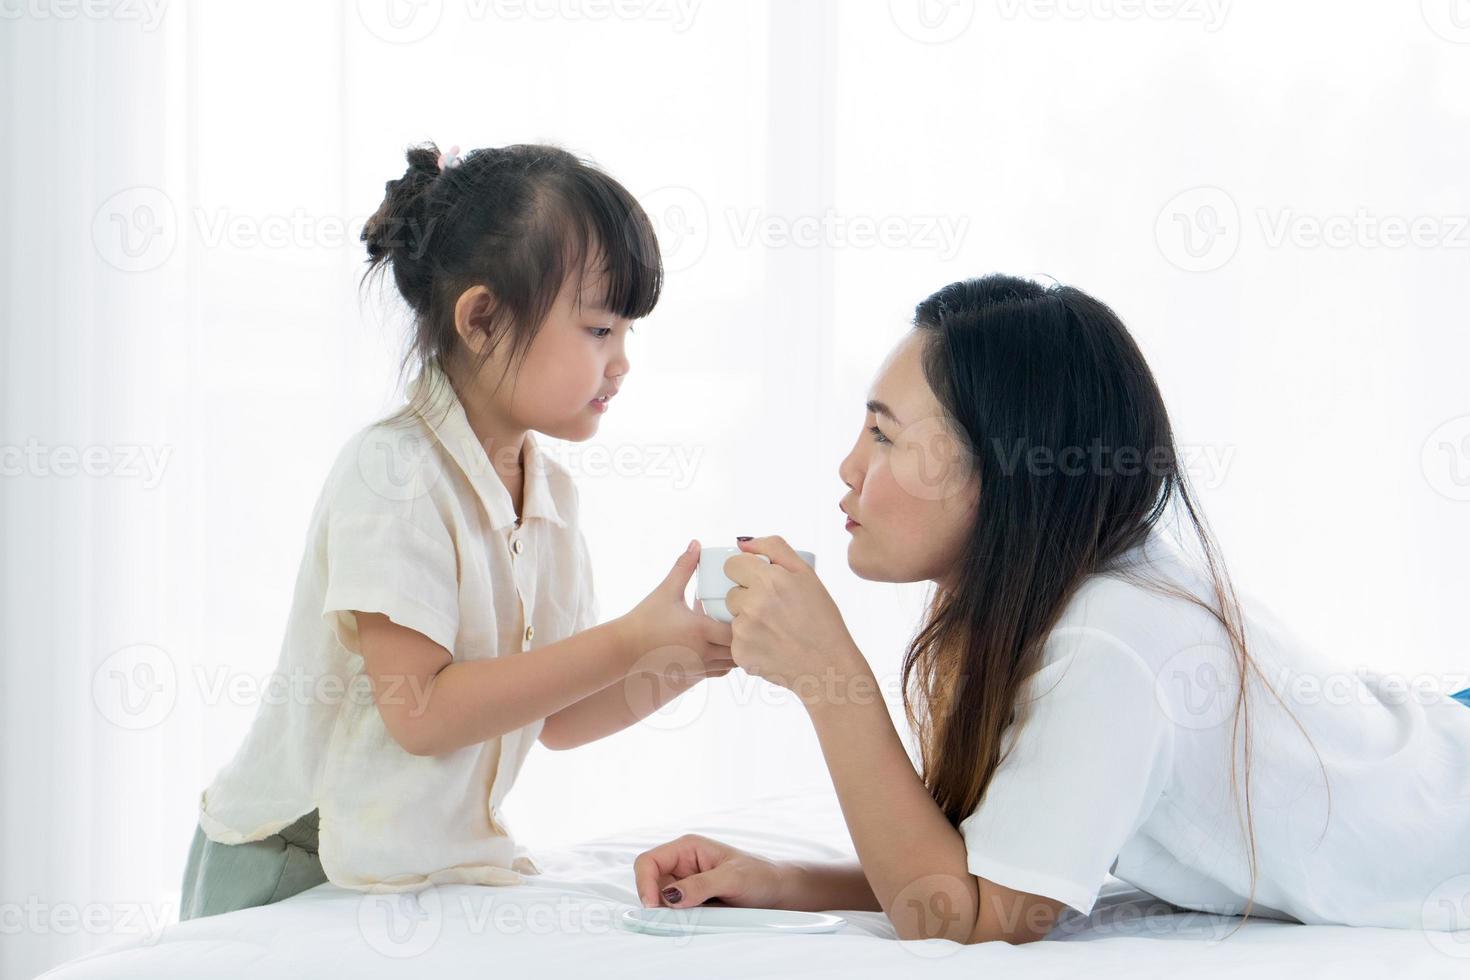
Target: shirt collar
point(445, 416)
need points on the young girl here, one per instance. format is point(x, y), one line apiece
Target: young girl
point(444, 617)
point(1088, 699)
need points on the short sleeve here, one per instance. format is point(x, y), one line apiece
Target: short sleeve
point(1082, 775)
point(386, 564)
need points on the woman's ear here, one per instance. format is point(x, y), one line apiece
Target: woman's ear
point(474, 316)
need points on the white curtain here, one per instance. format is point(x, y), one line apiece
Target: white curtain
point(185, 348)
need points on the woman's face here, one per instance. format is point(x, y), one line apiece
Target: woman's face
point(914, 494)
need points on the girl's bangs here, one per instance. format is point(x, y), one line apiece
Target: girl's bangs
point(612, 231)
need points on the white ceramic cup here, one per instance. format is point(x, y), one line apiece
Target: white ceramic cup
point(714, 585)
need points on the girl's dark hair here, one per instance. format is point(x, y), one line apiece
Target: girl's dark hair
point(520, 220)
point(1018, 367)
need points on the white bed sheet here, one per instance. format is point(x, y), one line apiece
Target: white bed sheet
point(563, 926)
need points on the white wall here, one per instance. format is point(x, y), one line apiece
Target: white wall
point(1070, 141)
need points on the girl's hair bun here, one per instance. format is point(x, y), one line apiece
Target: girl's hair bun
point(398, 233)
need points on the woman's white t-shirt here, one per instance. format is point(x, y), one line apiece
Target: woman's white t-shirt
point(413, 523)
point(1123, 766)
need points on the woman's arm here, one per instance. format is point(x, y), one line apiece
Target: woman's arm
point(788, 630)
point(914, 864)
point(811, 887)
point(914, 860)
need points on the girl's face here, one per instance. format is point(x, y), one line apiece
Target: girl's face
point(914, 494)
point(571, 370)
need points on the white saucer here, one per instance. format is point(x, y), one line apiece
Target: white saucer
point(704, 919)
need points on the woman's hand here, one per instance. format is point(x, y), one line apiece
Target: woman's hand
point(693, 870)
point(666, 635)
point(786, 627)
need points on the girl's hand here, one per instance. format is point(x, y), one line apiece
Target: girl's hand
point(692, 870)
point(786, 627)
point(667, 634)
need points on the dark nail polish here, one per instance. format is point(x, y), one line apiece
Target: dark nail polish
point(672, 895)
point(742, 537)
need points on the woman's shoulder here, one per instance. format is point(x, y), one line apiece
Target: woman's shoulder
point(1154, 601)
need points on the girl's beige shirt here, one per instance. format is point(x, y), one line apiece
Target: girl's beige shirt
point(412, 523)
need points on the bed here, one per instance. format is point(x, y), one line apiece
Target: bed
point(564, 926)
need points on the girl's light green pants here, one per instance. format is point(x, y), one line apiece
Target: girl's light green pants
point(225, 877)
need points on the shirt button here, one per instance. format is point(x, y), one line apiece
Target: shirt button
point(517, 546)
point(530, 633)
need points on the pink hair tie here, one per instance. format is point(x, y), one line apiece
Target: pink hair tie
point(449, 158)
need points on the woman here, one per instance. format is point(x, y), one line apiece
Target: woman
point(1087, 698)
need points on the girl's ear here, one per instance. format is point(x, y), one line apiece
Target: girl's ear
point(474, 315)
